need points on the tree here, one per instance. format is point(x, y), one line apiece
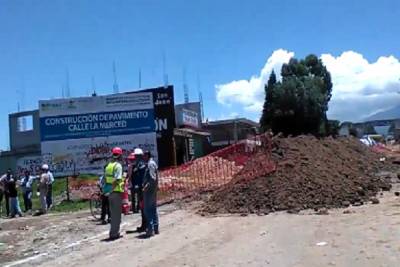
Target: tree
point(269, 87)
point(298, 104)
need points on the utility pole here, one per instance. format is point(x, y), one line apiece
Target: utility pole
point(93, 87)
point(200, 98)
point(67, 88)
point(140, 78)
point(165, 75)
point(185, 87)
point(115, 85)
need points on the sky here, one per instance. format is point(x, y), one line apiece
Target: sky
point(228, 49)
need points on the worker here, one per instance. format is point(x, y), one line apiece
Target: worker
point(137, 183)
point(105, 207)
point(113, 174)
point(42, 189)
point(26, 186)
point(13, 194)
point(131, 168)
point(50, 181)
point(150, 187)
point(4, 182)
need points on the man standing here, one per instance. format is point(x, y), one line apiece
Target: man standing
point(137, 184)
point(13, 193)
point(113, 174)
point(49, 195)
point(150, 186)
point(43, 187)
point(131, 168)
point(105, 206)
point(26, 186)
point(4, 181)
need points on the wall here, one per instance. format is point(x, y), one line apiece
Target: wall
point(223, 133)
point(21, 140)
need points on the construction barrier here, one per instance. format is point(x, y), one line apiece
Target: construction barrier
point(203, 174)
point(217, 169)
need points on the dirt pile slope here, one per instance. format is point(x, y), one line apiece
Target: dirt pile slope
point(310, 173)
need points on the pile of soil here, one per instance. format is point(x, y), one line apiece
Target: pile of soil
point(310, 173)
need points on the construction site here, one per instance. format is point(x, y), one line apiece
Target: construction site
point(200, 133)
point(265, 201)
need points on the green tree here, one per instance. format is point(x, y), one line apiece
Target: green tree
point(298, 104)
point(269, 88)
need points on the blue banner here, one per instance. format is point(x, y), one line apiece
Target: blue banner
point(96, 124)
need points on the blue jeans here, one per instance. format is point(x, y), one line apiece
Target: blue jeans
point(14, 205)
point(150, 210)
point(28, 199)
point(49, 196)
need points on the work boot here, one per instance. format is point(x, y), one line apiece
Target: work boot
point(140, 229)
point(149, 233)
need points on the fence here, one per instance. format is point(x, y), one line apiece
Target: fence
point(243, 161)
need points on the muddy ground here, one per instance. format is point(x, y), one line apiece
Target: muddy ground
point(357, 236)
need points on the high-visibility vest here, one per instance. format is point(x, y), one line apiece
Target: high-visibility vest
point(110, 169)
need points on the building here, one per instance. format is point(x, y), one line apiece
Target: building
point(24, 138)
point(227, 132)
point(191, 140)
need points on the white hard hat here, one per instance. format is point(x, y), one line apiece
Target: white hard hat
point(138, 151)
point(45, 167)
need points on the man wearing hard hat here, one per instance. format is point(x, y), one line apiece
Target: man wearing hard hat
point(137, 176)
point(113, 177)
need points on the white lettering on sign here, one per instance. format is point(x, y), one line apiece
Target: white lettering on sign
point(189, 118)
point(161, 124)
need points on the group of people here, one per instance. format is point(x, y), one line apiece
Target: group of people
point(11, 185)
point(142, 177)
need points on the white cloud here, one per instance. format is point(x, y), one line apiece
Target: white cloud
point(360, 88)
point(250, 93)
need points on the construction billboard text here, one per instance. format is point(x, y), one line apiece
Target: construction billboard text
point(76, 134)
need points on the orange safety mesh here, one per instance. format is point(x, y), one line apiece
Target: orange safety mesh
point(216, 169)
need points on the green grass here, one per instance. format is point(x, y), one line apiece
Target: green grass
point(59, 197)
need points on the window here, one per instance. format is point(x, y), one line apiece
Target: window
point(25, 123)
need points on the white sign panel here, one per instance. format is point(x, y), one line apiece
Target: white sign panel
point(77, 134)
point(190, 118)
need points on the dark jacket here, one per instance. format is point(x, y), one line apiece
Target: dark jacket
point(138, 173)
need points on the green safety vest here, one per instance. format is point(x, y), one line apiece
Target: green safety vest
point(110, 169)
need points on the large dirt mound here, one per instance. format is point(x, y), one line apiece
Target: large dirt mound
point(311, 173)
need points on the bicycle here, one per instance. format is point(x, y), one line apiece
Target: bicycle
point(95, 204)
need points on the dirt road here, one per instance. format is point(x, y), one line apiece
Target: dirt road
point(367, 236)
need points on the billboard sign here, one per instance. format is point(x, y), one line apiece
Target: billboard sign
point(164, 116)
point(77, 134)
point(190, 118)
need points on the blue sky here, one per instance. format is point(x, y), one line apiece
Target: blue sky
point(221, 41)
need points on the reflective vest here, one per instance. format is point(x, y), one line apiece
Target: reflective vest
point(110, 169)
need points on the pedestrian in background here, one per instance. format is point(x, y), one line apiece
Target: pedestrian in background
point(14, 202)
point(4, 181)
point(26, 187)
point(43, 189)
point(150, 187)
point(50, 181)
